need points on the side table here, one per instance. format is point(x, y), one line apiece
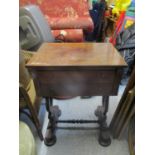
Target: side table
point(76, 69)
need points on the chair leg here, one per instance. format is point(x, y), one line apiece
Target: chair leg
point(40, 133)
point(37, 123)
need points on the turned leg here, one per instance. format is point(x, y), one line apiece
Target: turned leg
point(104, 136)
point(53, 114)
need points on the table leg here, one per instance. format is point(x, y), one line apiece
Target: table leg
point(104, 136)
point(53, 114)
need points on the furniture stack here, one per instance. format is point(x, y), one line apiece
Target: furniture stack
point(68, 19)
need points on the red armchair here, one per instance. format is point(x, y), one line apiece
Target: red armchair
point(72, 15)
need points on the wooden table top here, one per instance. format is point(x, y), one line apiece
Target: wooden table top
point(76, 54)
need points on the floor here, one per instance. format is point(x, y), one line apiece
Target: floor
point(80, 142)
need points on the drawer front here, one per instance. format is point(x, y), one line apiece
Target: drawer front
point(76, 89)
point(76, 83)
point(48, 77)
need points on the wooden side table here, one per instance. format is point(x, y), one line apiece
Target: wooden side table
point(76, 69)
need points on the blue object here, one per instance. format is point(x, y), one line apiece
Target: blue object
point(96, 14)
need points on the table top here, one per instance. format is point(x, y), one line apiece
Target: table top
point(76, 54)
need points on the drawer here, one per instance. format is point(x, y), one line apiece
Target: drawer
point(76, 83)
point(76, 89)
point(49, 77)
